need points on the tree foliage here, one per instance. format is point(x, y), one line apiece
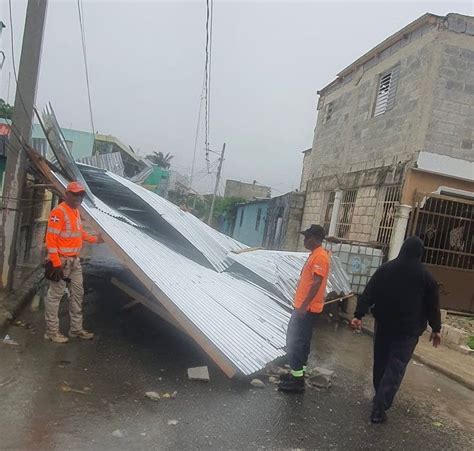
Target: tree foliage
point(160, 159)
point(6, 110)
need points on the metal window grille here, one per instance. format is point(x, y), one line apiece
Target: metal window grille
point(328, 213)
point(259, 217)
point(446, 226)
point(387, 90)
point(346, 211)
point(386, 208)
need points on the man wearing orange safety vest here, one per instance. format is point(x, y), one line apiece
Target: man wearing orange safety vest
point(64, 238)
point(308, 303)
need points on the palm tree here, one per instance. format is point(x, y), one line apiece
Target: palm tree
point(160, 159)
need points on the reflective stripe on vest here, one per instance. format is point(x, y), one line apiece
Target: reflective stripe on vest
point(66, 218)
point(53, 231)
point(53, 250)
point(70, 234)
point(69, 250)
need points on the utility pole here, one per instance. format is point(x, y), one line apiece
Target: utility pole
point(218, 179)
point(15, 171)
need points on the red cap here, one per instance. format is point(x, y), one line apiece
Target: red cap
point(75, 187)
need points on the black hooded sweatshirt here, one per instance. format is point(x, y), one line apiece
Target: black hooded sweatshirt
point(403, 294)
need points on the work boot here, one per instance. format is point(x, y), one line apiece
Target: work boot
point(292, 384)
point(56, 338)
point(378, 415)
point(81, 334)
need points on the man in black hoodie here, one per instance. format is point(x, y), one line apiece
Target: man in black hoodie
point(404, 297)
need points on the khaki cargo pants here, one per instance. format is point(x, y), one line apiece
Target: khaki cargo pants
point(72, 270)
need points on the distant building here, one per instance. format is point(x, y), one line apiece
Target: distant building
point(247, 191)
point(393, 150)
point(250, 221)
point(133, 163)
point(283, 224)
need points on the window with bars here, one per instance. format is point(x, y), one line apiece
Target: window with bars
point(328, 213)
point(386, 207)
point(346, 211)
point(447, 228)
point(387, 89)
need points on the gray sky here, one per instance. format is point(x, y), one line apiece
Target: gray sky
point(146, 62)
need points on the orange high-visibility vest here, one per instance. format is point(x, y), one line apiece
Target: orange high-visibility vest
point(65, 234)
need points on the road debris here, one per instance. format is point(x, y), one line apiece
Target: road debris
point(257, 383)
point(437, 424)
point(65, 387)
point(172, 422)
point(417, 364)
point(274, 380)
point(199, 373)
point(152, 395)
point(9, 341)
point(118, 433)
point(63, 363)
point(320, 378)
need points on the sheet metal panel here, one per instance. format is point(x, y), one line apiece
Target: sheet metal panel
point(282, 270)
point(241, 319)
point(110, 161)
point(215, 246)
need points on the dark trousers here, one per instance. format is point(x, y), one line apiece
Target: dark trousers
point(391, 356)
point(298, 339)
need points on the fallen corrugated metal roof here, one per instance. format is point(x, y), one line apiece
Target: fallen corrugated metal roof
point(281, 270)
point(241, 319)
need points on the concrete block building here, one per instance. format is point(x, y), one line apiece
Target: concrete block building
point(393, 149)
point(247, 191)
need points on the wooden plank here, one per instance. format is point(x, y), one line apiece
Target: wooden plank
point(139, 298)
point(184, 322)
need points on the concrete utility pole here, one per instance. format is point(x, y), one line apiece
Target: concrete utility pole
point(15, 172)
point(218, 179)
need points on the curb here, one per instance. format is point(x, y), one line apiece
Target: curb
point(428, 362)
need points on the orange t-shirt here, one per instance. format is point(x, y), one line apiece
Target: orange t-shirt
point(316, 265)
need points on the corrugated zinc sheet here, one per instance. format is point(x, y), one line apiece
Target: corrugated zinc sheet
point(282, 270)
point(110, 161)
point(241, 319)
point(214, 245)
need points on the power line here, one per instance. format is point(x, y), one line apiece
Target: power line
point(80, 11)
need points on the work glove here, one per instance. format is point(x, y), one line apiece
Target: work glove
point(55, 274)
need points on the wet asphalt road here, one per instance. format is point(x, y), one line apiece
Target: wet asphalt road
point(134, 352)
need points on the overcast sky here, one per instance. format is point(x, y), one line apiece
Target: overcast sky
point(146, 62)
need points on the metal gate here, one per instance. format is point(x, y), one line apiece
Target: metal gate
point(446, 226)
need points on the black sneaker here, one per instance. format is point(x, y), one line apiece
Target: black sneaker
point(292, 385)
point(378, 416)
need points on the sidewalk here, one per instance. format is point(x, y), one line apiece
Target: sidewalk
point(12, 302)
point(451, 363)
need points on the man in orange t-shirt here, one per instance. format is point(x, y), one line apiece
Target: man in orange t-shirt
point(309, 302)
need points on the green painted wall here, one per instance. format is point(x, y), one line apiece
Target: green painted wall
point(82, 142)
point(157, 178)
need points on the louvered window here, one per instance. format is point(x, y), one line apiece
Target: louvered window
point(386, 91)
